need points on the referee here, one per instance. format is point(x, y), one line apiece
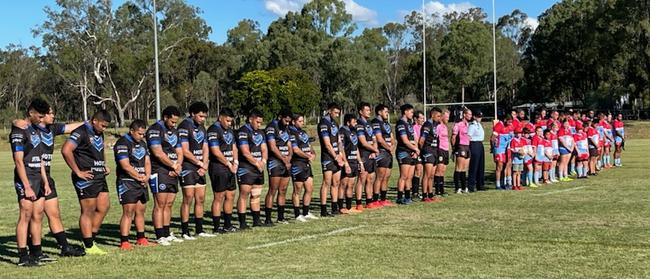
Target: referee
point(476, 179)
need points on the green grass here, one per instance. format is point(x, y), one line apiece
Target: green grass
point(599, 231)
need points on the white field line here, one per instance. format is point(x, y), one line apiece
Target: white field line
point(561, 191)
point(303, 238)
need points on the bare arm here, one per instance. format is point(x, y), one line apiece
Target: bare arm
point(188, 156)
point(72, 126)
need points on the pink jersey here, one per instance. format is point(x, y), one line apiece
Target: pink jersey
point(416, 130)
point(460, 130)
point(443, 137)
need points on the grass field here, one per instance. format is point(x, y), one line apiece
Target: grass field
point(596, 228)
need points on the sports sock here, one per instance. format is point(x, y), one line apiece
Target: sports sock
point(88, 242)
point(529, 177)
point(415, 185)
point(335, 207)
point(61, 239)
point(383, 195)
point(375, 197)
point(166, 231)
point(140, 235)
point(281, 212)
point(268, 211)
point(498, 182)
point(585, 171)
point(256, 217)
point(160, 233)
point(538, 176)
point(463, 179)
point(198, 223)
point(185, 228)
point(124, 238)
point(35, 250)
point(216, 221)
point(242, 219)
point(509, 178)
point(323, 209)
point(407, 195)
point(296, 211)
point(227, 220)
point(400, 194)
point(305, 210)
point(368, 201)
point(22, 252)
point(340, 203)
point(348, 203)
point(456, 181)
point(430, 195)
point(358, 202)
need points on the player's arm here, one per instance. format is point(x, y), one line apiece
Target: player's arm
point(242, 142)
point(271, 144)
point(67, 151)
point(71, 127)
point(265, 154)
point(296, 149)
point(215, 150)
point(122, 159)
point(188, 156)
point(454, 136)
point(46, 181)
point(382, 142)
point(147, 167)
point(17, 146)
point(205, 153)
point(364, 142)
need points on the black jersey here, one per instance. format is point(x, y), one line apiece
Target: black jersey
point(364, 129)
point(254, 140)
point(29, 142)
point(89, 151)
point(159, 134)
point(280, 134)
point(300, 139)
point(222, 138)
point(135, 151)
point(429, 134)
point(48, 133)
point(380, 127)
point(350, 142)
point(404, 128)
point(194, 134)
point(327, 128)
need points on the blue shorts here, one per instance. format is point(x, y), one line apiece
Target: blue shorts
point(564, 151)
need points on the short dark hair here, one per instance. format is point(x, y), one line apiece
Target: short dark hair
point(526, 131)
point(434, 109)
point(379, 108)
point(363, 105)
point(405, 107)
point(347, 118)
point(171, 111)
point(39, 105)
point(296, 116)
point(102, 115)
point(332, 106)
point(198, 107)
point(285, 113)
point(417, 113)
point(254, 113)
point(227, 112)
point(138, 124)
point(547, 131)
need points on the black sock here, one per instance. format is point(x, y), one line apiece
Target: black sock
point(124, 238)
point(198, 223)
point(323, 209)
point(358, 202)
point(463, 179)
point(383, 195)
point(22, 252)
point(368, 201)
point(296, 211)
point(166, 231)
point(61, 239)
point(242, 219)
point(407, 195)
point(216, 221)
point(335, 206)
point(95, 236)
point(35, 250)
point(456, 180)
point(185, 228)
point(439, 185)
point(160, 233)
point(340, 203)
point(140, 235)
point(256, 217)
point(348, 203)
point(30, 246)
point(281, 212)
point(400, 194)
point(375, 197)
point(305, 210)
point(88, 242)
point(415, 184)
point(227, 220)
point(430, 195)
point(267, 212)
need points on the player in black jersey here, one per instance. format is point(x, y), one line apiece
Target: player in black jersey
point(253, 153)
point(192, 136)
point(331, 159)
point(429, 153)
point(224, 162)
point(49, 130)
point(352, 166)
point(384, 160)
point(301, 174)
point(30, 181)
point(133, 172)
point(279, 165)
point(166, 166)
point(368, 151)
point(406, 154)
point(84, 154)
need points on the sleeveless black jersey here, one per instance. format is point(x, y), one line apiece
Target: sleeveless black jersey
point(89, 151)
point(48, 133)
point(280, 134)
point(159, 135)
point(380, 127)
point(364, 129)
point(300, 139)
point(254, 140)
point(29, 142)
point(429, 134)
point(222, 138)
point(327, 128)
point(404, 128)
point(135, 151)
point(195, 136)
point(350, 142)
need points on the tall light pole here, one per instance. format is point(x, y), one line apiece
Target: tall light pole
point(155, 51)
point(424, 58)
point(494, 54)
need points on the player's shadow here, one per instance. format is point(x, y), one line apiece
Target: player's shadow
point(8, 250)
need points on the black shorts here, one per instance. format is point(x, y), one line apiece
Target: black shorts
point(131, 191)
point(384, 160)
point(429, 155)
point(354, 171)
point(405, 158)
point(191, 177)
point(332, 166)
point(300, 171)
point(277, 169)
point(462, 151)
point(36, 183)
point(247, 176)
point(53, 194)
point(593, 152)
point(443, 157)
point(221, 178)
point(162, 182)
point(89, 189)
point(369, 165)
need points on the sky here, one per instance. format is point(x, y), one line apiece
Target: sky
point(18, 18)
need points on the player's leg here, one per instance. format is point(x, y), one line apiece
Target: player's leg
point(334, 192)
point(157, 216)
point(188, 197)
point(101, 209)
point(384, 186)
point(295, 199)
point(88, 208)
point(401, 182)
point(140, 210)
point(282, 199)
point(377, 185)
point(417, 179)
point(167, 215)
point(228, 204)
point(35, 229)
point(306, 198)
point(274, 185)
point(199, 201)
point(256, 192)
point(128, 210)
point(25, 208)
point(217, 204)
point(427, 181)
point(439, 179)
point(498, 173)
point(325, 187)
point(244, 194)
point(53, 214)
point(410, 172)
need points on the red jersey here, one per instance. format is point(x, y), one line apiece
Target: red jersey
point(593, 136)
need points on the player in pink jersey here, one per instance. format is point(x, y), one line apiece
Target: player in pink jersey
point(443, 154)
point(418, 121)
point(592, 141)
point(528, 158)
point(538, 143)
point(555, 146)
point(501, 136)
point(608, 138)
point(619, 139)
point(460, 142)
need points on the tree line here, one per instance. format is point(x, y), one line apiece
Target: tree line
point(94, 55)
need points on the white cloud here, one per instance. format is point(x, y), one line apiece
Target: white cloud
point(440, 9)
point(359, 13)
point(532, 22)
